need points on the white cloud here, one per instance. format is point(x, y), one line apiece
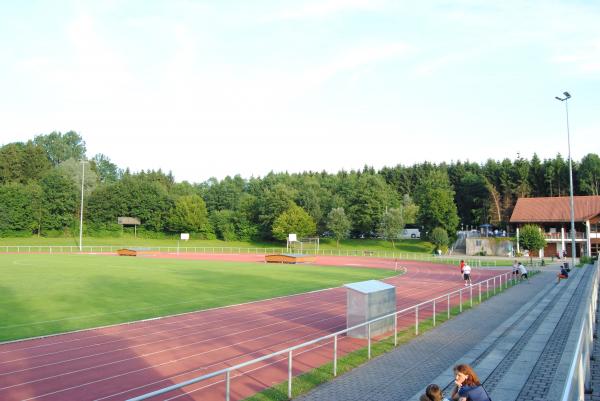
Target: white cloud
point(322, 9)
point(210, 92)
point(585, 58)
point(430, 67)
point(349, 60)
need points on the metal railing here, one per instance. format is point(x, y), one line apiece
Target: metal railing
point(114, 248)
point(497, 282)
point(579, 377)
point(243, 251)
point(567, 237)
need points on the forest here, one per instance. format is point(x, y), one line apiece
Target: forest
point(41, 180)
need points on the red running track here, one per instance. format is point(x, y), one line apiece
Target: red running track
point(123, 361)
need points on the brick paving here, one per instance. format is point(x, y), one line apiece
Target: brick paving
point(543, 375)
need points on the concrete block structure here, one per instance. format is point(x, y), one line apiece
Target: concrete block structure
point(368, 300)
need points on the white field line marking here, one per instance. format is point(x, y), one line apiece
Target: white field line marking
point(248, 372)
point(81, 317)
point(313, 347)
point(154, 307)
point(226, 361)
point(164, 363)
point(159, 317)
point(192, 334)
point(188, 322)
point(300, 317)
point(191, 316)
point(181, 346)
point(199, 369)
point(286, 330)
point(126, 373)
point(141, 308)
point(335, 299)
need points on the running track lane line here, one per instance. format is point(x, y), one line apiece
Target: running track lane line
point(427, 274)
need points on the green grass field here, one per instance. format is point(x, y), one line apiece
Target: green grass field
point(46, 294)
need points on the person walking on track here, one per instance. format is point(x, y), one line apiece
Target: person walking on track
point(467, 274)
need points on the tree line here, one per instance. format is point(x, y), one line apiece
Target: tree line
point(40, 183)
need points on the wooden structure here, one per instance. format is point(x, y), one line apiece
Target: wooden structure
point(129, 221)
point(133, 251)
point(291, 258)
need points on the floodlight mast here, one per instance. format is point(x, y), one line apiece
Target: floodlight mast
point(81, 208)
point(573, 248)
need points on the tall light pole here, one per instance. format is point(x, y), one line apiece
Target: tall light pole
point(81, 208)
point(573, 249)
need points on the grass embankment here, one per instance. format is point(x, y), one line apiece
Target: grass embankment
point(406, 246)
point(46, 294)
point(404, 249)
point(307, 381)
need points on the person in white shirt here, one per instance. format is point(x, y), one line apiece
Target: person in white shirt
point(523, 271)
point(515, 268)
point(467, 274)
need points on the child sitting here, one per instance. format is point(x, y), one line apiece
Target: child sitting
point(563, 274)
point(433, 392)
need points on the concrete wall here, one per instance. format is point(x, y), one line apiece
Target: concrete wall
point(491, 246)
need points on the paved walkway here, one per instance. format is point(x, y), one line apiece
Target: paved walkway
point(514, 341)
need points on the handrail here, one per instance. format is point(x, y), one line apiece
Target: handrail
point(475, 262)
point(290, 350)
point(578, 378)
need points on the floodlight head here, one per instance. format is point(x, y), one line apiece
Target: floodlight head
point(557, 98)
point(567, 95)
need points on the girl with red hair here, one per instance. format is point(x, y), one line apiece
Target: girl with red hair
point(468, 387)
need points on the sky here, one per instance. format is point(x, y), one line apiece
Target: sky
point(215, 88)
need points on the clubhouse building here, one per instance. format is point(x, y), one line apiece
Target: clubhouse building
point(553, 215)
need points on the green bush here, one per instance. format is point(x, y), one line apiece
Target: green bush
point(103, 230)
point(439, 237)
point(14, 234)
point(57, 233)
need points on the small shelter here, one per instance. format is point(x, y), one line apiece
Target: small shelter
point(129, 221)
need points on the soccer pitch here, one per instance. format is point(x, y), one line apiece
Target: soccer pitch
point(45, 294)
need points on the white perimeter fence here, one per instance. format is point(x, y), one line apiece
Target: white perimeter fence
point(243, 251)
point(578, 380)
point(428, 308)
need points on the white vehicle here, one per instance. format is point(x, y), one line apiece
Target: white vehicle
point(411, 233)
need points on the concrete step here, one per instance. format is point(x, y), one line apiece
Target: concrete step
point(506, 359)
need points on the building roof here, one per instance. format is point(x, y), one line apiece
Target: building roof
point(556, 209)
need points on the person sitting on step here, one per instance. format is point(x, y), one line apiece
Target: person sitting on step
point(433, 392)
point(563, 274)
point(467, 385)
